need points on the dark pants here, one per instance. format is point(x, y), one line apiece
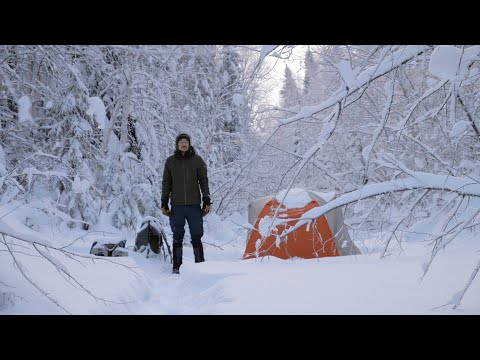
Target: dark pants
point(193, 215)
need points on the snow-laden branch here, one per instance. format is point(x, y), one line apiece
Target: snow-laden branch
point(12, 228)
point(44, 248)
point(373, 72)
point(264, 51)
point(23, 271)
point(62, 269)
point(418, 180)
point(38, 153)
point(427, 93)
point(76, 74)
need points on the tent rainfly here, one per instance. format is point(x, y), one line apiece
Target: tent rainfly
point(325, 236)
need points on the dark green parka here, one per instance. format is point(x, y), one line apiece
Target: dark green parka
point(183, 178)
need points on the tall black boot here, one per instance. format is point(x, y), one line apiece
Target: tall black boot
point(177, 256)
point(198, 252)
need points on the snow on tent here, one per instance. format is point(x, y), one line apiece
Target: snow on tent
point(325, 236)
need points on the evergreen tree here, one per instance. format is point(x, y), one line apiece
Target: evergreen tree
point(310, 94)
point(289, 94)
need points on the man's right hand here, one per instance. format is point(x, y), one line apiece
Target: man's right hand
point(166, 212)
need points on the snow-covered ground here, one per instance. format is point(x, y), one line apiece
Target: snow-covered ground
point(225, 284)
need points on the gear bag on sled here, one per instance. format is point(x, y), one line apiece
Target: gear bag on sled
point(152, 238)
point(109, 247)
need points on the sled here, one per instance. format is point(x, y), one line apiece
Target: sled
point(109, 247)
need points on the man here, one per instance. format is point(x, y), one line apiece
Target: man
point(185, 174)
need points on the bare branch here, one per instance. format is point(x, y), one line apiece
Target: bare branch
point(404, 216)
point(456, 300)
point(469, 114)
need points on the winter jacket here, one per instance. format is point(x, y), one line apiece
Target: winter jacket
point(183, 178)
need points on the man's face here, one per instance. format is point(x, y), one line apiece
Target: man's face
point(183, 145)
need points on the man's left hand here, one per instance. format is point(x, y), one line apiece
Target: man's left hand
point(206, 209)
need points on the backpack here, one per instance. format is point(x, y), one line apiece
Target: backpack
point(152, 238)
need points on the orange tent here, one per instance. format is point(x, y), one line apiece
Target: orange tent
point(325, 236)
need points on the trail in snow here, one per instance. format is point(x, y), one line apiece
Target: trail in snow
point(192, 292)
